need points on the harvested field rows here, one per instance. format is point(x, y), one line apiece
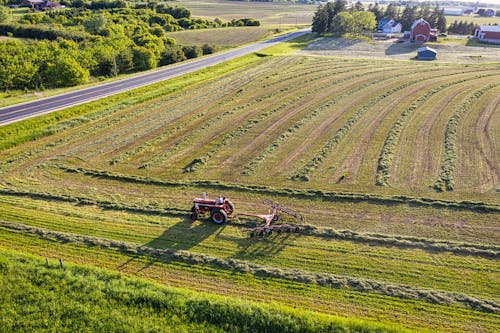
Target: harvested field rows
point(394, 166)
point(211, 252)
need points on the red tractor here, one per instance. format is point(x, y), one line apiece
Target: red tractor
point(220, 209)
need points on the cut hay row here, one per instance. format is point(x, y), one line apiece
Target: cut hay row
point(223, 114)
point(252, 165)
point(445, 181)
point(306, 170)
point(403, 242)
point(147, 118)
point(322, 279)
point(392, 140)
point(304, 193)
point(310, 90)
point(412, 314)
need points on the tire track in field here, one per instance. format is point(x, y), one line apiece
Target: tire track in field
point(160, 133)
point(151, 121)
point(323, 127)
point(247, 267)
point(158, 119)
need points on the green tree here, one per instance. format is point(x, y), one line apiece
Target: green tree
point(5, 14)
point(65, 72)
point(376, 11)
point(408, 16)
point(144, 58)
point(392, 11)
point(171, 55)
point(95, 24)
point(320, 20)
point(343, 22)
point(364, 21)
point(441, 21)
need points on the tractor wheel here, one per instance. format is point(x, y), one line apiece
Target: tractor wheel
point(218, 216)
point(230, 206)
point(194, 216)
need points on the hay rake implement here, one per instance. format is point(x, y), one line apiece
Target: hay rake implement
point(268, 227)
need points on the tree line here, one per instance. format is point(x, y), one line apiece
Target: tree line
point(336, 17)
point(99, 38)
point(323, 20)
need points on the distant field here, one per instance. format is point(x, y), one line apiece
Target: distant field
point(229, 37)
point(267, 13)
point(474, 19)
point(394, 165)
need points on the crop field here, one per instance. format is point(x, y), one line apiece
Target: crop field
point(268, 13)
point(227, 37)
point(394, 165)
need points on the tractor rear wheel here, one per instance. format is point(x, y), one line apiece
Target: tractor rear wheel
point(218, 216)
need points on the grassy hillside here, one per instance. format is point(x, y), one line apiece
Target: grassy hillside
point(394, 166)
point(39, 296)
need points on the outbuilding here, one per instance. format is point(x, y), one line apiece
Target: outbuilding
point(426, 53)
point(421, 31)
point(488, 34)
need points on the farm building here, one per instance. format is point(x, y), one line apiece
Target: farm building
point(389, 26)
point(426, 53)
point(488, 34)
point(453, 11)
point(421, 31)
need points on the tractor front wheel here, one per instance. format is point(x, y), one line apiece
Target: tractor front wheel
point(218, 216)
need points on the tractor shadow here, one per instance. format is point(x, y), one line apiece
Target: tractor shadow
point(182, 236)
point(186, 235)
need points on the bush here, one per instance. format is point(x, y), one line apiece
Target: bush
point(192, 51)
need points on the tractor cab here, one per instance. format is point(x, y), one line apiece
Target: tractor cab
point(219, 209)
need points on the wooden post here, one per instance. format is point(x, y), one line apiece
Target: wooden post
point(61, 262)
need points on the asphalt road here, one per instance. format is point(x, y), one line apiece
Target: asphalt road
point(18, 112)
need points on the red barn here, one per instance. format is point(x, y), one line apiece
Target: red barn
point(421, 31)
point(488, 34)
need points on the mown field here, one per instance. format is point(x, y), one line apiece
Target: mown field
point(394, 166)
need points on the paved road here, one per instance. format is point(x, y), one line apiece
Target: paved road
point(26, 110)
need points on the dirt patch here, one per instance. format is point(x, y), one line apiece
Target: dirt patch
point(390, 50)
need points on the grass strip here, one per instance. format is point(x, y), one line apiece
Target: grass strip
point(240, 266)
point(77, 297)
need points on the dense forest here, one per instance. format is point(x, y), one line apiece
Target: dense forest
point(103, 38)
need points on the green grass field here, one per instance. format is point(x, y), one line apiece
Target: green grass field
point(394, 166)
